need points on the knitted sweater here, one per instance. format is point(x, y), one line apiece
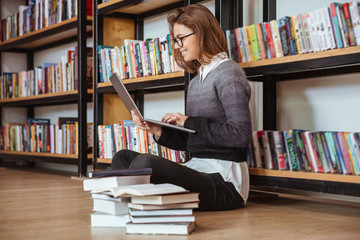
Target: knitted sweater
point(218, 110)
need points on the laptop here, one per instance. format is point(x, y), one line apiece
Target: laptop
point(130, 105)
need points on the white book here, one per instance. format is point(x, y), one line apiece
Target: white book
point(328, 28)
point(110, 207)
point(107, 197)
point(311, 151)
point(354, 8)
point(163, 219)
point(313, 33)
point(166, 199)
point(161, 228)
point(299, 31)
point(108, 182)
point(166, 212)
point(107, 220)
point(164, 206)
point(276, 38)
point(141, 189)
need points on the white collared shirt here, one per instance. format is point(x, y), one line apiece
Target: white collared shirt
point(215, 61)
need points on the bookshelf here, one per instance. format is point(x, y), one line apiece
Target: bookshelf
point(117, 20)
point(75, 29)
point(289, 68)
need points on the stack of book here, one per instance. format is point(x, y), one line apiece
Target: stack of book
point(162, 214)
point(110, 211)
point(126, 198)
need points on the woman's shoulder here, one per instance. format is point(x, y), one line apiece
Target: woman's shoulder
point(230, 68)
point(229, 65)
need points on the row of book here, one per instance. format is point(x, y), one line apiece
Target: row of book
point(127, 135)
point(38, 14)
point(47, 78)
point(126, 198)
point(38, 135)
point(331, 27)
point(137, 59)
point(310, 151)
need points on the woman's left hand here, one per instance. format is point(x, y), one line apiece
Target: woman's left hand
point(174, 119)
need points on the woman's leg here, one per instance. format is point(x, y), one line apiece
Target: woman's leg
point(123, 158)
point(215, 193)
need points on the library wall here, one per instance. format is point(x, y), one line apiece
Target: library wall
point(323, 104)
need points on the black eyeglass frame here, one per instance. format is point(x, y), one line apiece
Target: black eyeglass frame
point(181, 39)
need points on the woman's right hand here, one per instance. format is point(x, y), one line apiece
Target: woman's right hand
point(149, 127)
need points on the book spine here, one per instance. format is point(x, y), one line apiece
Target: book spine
point(344, 152)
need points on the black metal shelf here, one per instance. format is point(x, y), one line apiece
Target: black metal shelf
point(304, 68)
point(59, 33)
point(271, 71)
point(75, 29)
point(149, 86)
point(138, 7)
point(49, 157)
point(277, 184)
point(46, 100)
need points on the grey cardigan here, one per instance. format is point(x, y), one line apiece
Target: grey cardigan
point(218, 110)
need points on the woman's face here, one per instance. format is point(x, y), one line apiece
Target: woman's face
point(189, 49)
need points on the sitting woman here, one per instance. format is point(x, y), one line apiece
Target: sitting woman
point(217, 108)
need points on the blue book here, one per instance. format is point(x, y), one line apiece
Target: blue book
point(338, 151)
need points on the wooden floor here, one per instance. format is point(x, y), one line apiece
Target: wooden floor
point(41, 205)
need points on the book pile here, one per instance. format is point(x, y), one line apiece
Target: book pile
point(163, 214)
point(131, 201)
point(110, 211)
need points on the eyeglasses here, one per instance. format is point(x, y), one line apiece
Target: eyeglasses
point(179, 40)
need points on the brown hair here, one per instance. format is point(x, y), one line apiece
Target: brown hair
point(210, 36)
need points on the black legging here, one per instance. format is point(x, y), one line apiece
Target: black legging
point(215, 193)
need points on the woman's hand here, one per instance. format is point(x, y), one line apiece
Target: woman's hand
point(149, 127)
point(175, 119)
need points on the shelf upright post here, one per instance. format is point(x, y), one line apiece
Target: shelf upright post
point(229, 13)
point(269, 84)
point(139, 35)
point(30, 66)
point(97, 99)
point(0, 69)
point(82, 91)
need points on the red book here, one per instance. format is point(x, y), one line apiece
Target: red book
point(349, 26)
point(270, 40)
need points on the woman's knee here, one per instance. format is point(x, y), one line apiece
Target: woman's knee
point(142, 161)
point(121, 159)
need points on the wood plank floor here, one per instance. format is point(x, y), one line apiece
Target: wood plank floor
point(40, 205)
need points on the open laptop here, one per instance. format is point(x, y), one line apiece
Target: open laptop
point(130, 105)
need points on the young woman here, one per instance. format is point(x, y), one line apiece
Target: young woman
point(217, 109)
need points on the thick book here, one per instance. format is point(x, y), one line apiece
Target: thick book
point(163, 219)
point(110, 207)
point(107, 182)
point(161, 228)
point(167, 199)
point(164, 206)
point(120, 172)
point(107, 220)
point(165, 212)
point(140, 189)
